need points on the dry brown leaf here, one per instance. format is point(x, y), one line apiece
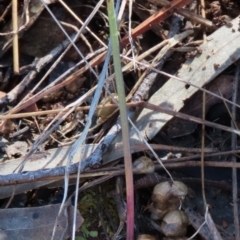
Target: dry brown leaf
point(7, 127)
point(37, 222)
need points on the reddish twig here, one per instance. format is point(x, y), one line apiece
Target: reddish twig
point(161, 15)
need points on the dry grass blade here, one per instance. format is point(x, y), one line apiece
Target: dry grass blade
point(123, 117)
point(79, 20)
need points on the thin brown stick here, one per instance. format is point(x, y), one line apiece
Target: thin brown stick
point(202, 147)
point(186, 13)
point(187, 117)
point(138, 104)
point(15, 36)
point(203, 117)
point(161, 15)
point(234, 146)
point(81, 22)
point(5, 12)
point(110, 174)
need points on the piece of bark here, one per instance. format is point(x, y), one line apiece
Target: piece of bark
point(178, 127)
point(196, 221)
point(220, 51)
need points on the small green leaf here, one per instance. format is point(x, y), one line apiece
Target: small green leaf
point(93, 233)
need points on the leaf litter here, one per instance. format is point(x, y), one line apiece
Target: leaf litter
point(211, 66)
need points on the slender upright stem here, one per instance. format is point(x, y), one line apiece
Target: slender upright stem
point(123, 118)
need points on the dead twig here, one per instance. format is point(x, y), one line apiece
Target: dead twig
point(148, 77)
point(5, 12)
point(187, 14)
point(15, 37)
point(164, 13)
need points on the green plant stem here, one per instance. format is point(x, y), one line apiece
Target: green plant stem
point(123, 118)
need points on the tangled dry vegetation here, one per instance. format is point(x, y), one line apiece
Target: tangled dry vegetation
point(62, 158)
